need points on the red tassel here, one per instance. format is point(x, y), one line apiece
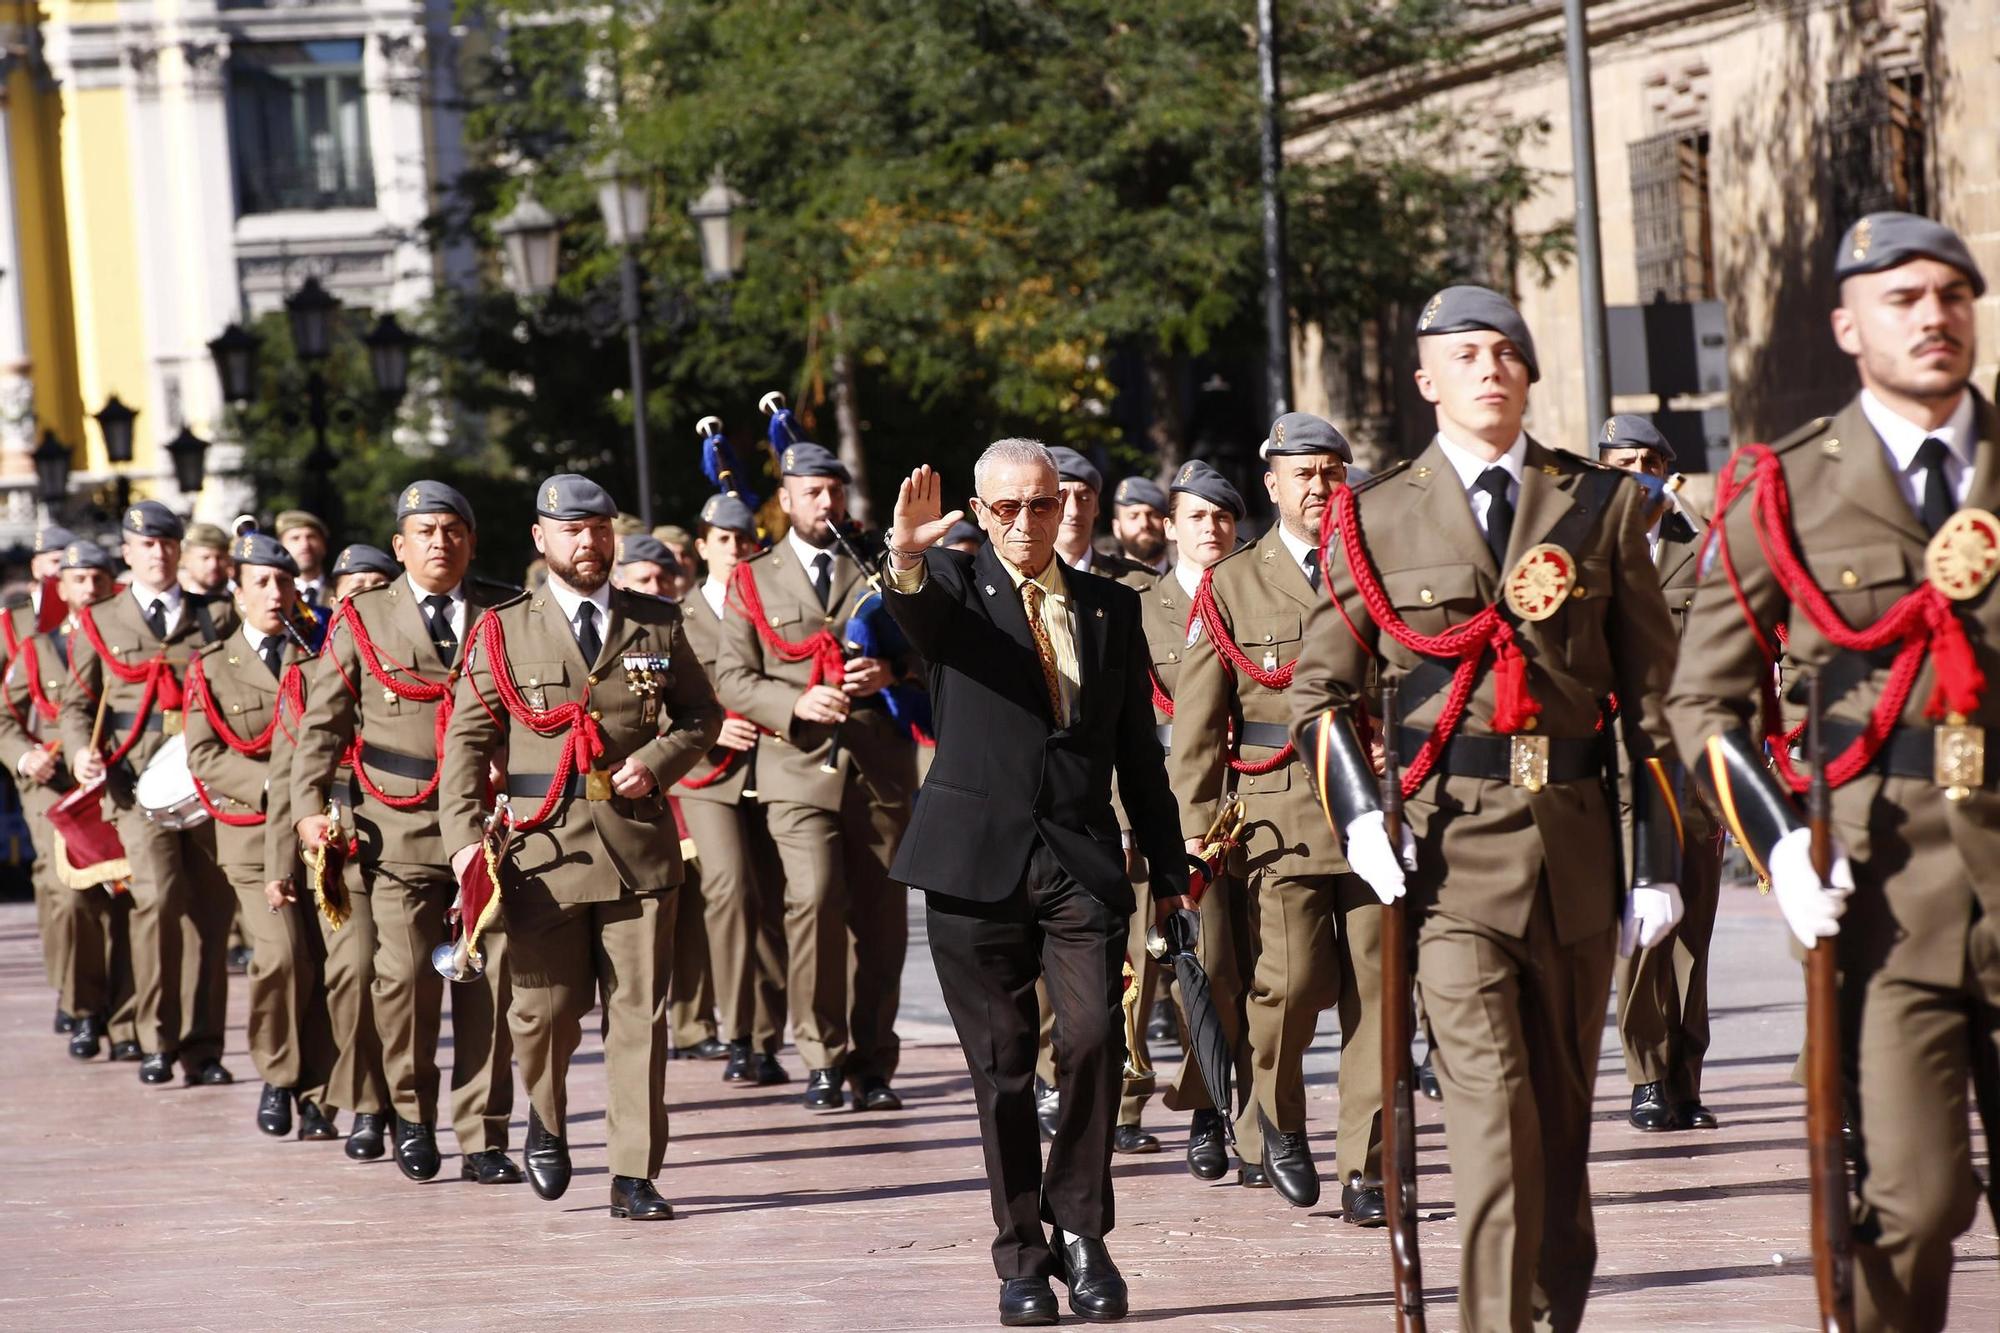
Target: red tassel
point(1959, 679)
point(1512, 704)
point(170, 692)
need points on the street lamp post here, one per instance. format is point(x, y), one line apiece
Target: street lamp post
point(52, 468)
point(622, 200)
point(115, 421)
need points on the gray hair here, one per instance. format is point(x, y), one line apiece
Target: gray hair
point(1010, 451)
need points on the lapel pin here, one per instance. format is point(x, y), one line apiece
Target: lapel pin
point(989, 590)
point(1100, 613)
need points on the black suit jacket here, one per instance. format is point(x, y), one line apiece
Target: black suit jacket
point(1003, 772)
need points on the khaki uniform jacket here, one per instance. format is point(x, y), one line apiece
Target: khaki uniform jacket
point(587, 851)
point(21, 726)
point(704, 635)
point(1865, 547)
point(343, 698)
point(245, 694)
point(1613, 635)
point(127, 636)
point(1264, 598)
point(763, 687)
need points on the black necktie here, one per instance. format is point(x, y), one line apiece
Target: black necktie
point(1499, 513)
point(156, 619)
point(823, 577)
point(587, 639)
point(310, 594)
point(1312, 568)
point(274, 653)
point(439, 606)
point(1938, 502)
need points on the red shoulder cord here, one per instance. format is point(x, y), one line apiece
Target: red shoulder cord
point(1512, 705)
point(291, 690)
point(582, 747)
point(1220, 635)
point(1922, 621)
point(156, 674)
point(405, 683)
point(822, 649)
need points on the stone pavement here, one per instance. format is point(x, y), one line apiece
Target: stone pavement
point(124, 1207)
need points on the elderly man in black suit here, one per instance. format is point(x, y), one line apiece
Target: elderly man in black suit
point(1038, 675)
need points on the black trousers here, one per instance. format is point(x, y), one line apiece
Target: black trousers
point(989, 956)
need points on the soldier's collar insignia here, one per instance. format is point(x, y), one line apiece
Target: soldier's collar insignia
point(1864, 236)
point(1430, 312)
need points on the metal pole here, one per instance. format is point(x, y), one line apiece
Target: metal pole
point(1589, 251)
point(323, 500)
point(628, 275)
point(1277, 312)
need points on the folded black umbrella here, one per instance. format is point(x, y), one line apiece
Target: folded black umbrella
point(1174, 942)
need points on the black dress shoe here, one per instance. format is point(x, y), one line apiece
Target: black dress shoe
point(1693, 1115)
point(547, 1158)
point(156, 1068)
point(416, 1149)
point(1207, 1151)
point(765, 1070)
point(1362, 1204)
point(635, 1200)
point(238, 961)
point(1132, 1139)
point(1251, 1177)
point(315, 1125)
point(738, 1068)
point(1096, 1288)
point(1048, 1109)
point(87, 1040)
point(1161, 1026)
point(823, 1091)
point(65, 1023)
point(126, 1050)
point(1650, 1110)
point(1427, 1079)
point(1027, 1302)
point(1289, 1165)
point(708, 1048)
point(209, 1074)
point(364, 1141)
point(875, 1094)
point(492, 1167)
point(274, 1111)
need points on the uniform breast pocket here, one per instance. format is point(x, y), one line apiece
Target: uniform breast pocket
point(1433, 598)
point(1862, 581)
point(544, 684)
point(1272, 636)
point(1576, 632)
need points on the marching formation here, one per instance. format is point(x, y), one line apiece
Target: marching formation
point(1452, 748)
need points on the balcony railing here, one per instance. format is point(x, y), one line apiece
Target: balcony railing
point(312, 180)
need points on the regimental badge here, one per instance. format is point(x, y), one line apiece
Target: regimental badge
point(1958, 757)
point(1187, 470)
point(1270, 659)
point(135, 520)
point(552, 498)
point(412, 497)
point(1194, 631)
point(243, 548)
point(786, 463)
point(1610, 431)
point(1278, 433)
point(538, 698)
point(1965, 555)
point(646, 676)
point(1864, 236)
point(1539, 585)
point(1430, 312)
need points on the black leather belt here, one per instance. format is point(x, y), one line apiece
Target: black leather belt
point(1571, 758)
point(1267, 734)
point(416, 766)
point(1907, 752)
point(122, 722)
point(535, 786)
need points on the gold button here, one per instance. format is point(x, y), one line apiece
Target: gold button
point(593, 680)
point(1530, 723)
point(1267, 638)
point(1173, 657)
point(1426, 596)
point(1580, 592)
point(534, 680)
point(1831, 448)
point(1249, 784)
point(1849, 579)
point(596, 715)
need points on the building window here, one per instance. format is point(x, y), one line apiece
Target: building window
point(1876, 126)
point(1672, 239)
point(299, 126)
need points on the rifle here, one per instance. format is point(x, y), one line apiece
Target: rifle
point(1832, 1244)
point(1399, 1130)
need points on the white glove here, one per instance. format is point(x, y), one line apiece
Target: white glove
point(1371, 857)
point(1651, 913)
point(1811, 909)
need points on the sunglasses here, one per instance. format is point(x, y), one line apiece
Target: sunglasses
point(1006, 511)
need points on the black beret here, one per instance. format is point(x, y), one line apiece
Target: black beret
point(52, 538)
point(432, 497)
point(1303, 433)
point(806, 459)
point(1140, 491)
point(726, 511)
point(1456, 309)
point(1885, 240)
point(1073, 466)
point(80, 554)
point(965, 530)
point(1628, 430)
point(150, 518)
point(261, 548)
point(567, 496)
point(361, 558)
point(644, 548)
point(1198, 479)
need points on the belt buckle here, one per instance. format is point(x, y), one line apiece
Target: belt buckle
point(1528, 762)
point(597, 785)
point(1958, 757)
point(170, 722)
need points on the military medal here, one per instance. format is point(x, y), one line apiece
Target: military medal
point(645, 676)
point(1965, 555)
point(1270, 659)
point(1541, 582)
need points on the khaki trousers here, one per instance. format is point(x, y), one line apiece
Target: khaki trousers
point(355, 1081)
point(179, 926)
point(691, 983)
point(561, 956)
point(50, 920)
point(744, 916)
point(1663, 991)
point(97, 924)
point(291, 1039)
point(1517, 1024)
point(409, 903)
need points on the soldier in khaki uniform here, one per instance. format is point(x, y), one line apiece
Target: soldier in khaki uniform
point(236, 689)
point(1663, 991)
point(595, 861)
point(835, 830)
point(385, 692)
point(1314, 927)
point(89, 926)
point(17, 626)
point(1911, 465)
point(181, 903)
point(742, 888)
point(1516, 916)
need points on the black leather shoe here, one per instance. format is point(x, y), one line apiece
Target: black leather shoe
point(274, 1111)
point(364, 1141)
point(1048, 1109)
point(1650, 1110)
point(1161, 1026)
point(635, 1200)
point(547, 1158)
point(823, 1091)
point(1251, 1177)
point(416, 1149)
point(492, 1167)
point(209, 1074)
point(238, 961)
point(122, 1051)
point(1362, 1204)
point(1027, 1302)
point(1132, 1139)
point(1427, 1079)
point(738, 1068)
point(156, 1068)
point(708, 1048)
point(1096, 1288)
point(315, 1125)
point(65, 1023)
point(1693, 1115)
point(1289, 1165)
point(87, 1040)
point(766, 1071)
point(875, 1094)
point(1207, 1152)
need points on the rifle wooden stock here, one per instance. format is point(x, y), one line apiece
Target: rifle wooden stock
point(1399, 1128)
point(1832, 1242)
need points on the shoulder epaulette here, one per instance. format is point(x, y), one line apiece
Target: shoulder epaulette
point(210, 649)
point(498, 587)
point(1397, 469)
point(1812, 430)
point(648, 603)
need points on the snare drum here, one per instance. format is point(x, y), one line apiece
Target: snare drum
point(166, 789)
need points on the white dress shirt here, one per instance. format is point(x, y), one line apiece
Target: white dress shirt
point(716, 596)
point(1903, 437)
point(569, 601)
point(1189, 576)
point(256, 638)
point(455, 614)
point(1469, 466)
point(806, 553)
point(1299, 549)
point(171, 595)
